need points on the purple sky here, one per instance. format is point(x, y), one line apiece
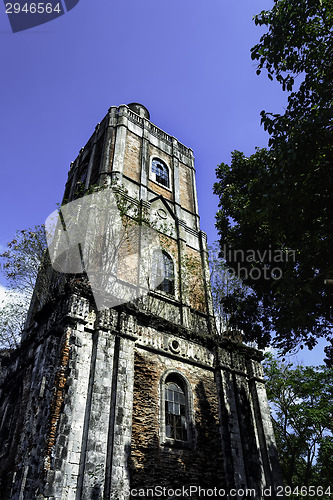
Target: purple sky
point(187, 61)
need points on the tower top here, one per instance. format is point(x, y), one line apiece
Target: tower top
point(139, 109)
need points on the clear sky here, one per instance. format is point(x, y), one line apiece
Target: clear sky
point(187, 61)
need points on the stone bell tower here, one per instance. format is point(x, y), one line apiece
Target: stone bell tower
point(141, 399)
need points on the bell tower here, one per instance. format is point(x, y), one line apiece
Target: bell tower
point(155, 170)
point(144, 398)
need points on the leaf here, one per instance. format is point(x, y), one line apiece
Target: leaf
point(281, 196)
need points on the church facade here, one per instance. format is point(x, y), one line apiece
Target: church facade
point(142, 399)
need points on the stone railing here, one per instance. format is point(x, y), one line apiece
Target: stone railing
point(134, 117)
point(157, 132)
point(184, 150)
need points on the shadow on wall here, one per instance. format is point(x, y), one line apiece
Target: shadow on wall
point(96, 493)
point(253, 468)
point(12, 405)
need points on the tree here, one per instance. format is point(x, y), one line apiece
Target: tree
point(276, 205)
point(230, 295)
point(20, 266)
point(301, 400)
point(13, 311)
point(21, 261)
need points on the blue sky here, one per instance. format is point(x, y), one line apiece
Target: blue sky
point(187, 61)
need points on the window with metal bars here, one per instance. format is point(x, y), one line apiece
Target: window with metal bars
point(161, 172)
point(175, 410)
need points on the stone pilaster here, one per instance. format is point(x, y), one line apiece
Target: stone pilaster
point(120, 143)
point(91, 160)
point(230, 427)
point(94, 448)
point(195, 194)
point(183, 277)
point(144, 174)
point(206, 277)
point(176, 179)
point(107, 148)
point(273, 477)
point(120, 424)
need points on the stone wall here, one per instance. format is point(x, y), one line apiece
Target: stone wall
point(132, 166)
point(86, 394)
point(155, 463)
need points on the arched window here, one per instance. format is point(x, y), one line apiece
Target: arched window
point(160, 172)
point(163, 269)
point(176, 423)
point(177, 427)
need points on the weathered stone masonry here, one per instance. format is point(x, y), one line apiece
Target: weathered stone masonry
point(108, 433)
point(83, 408)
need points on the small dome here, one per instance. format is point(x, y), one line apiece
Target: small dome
point(139, 109)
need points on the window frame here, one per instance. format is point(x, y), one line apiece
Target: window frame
point(160, 288)
point(153, 175)
point(169, 376)
point(176, 421)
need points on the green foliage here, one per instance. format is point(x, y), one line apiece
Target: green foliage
point(298, 42)
point(301, 398)
point(20, 265)
point(280, 199)
point(230, 295)
point(20, 262)
point(13, 311)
